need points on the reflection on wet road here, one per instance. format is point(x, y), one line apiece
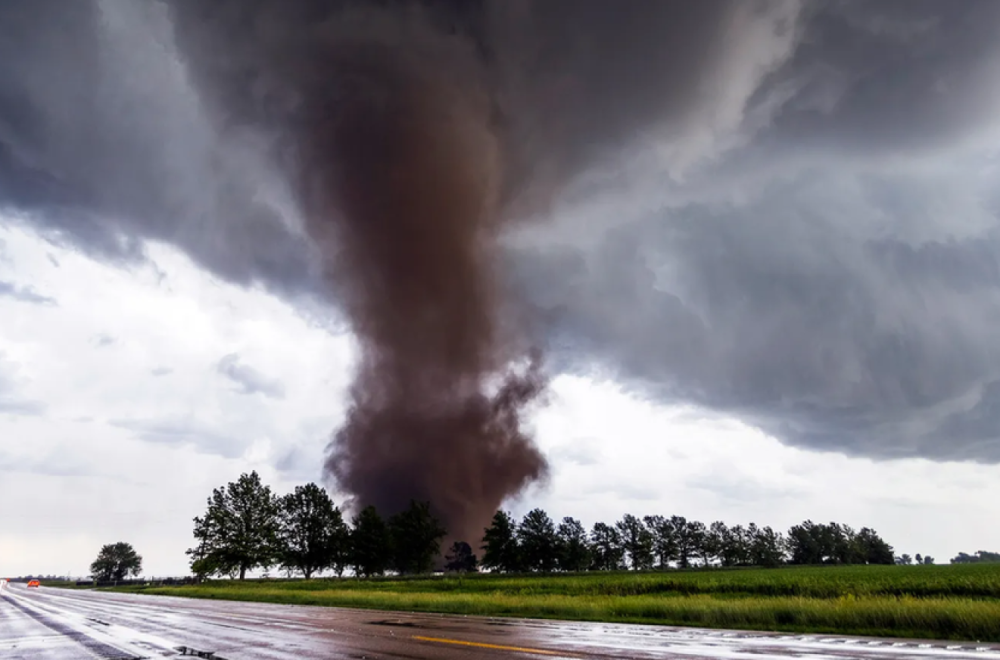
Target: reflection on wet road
point(54, 624)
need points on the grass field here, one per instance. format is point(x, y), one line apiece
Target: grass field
point(959, 602)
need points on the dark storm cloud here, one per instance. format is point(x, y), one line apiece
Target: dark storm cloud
point(775, 312)
point(826, 268)
point(103, 145)
point(24, 294)
point(888, 76)
point(249, 379)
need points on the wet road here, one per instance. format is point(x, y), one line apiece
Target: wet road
point(55, 624)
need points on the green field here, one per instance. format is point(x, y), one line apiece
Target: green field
point(960, 602)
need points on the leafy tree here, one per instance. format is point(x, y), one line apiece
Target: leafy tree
point(637, 541)
point(872, 548)
point(804, 544)
point(500, 546)
point(371, 543)
point(312, 532)
point(239, 531)
point(700, 541)
point(845, 546)
point(737, 543)
point(416, 538)
point(981, 556)
point(536, 536)
point(115, 561)
point(904, 560)
point(767, 547)
point(606, 545)
point(928, 560)
point(574, 550)
point(918, 558)
point(716, 542)
point(206, 566)
point(688, 535)
point(811, 543)
point(664, 539)
point(460, 558)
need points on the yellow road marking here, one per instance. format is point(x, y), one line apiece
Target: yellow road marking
point(495, 647)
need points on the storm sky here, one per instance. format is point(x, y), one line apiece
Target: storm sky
point(761, 236)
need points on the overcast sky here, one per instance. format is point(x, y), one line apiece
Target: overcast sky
point(767, 281)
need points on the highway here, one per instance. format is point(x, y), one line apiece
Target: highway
point(55, 624)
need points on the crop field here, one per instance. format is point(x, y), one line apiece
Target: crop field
point(959, 602)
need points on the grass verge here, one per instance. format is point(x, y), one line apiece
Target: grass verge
point(939, 602)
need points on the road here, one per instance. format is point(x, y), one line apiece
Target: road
point(55, 624)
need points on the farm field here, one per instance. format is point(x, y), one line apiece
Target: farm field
point(960, 602)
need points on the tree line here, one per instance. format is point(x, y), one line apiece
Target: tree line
point(537, 544)
point(980, 557)
point(248, 527)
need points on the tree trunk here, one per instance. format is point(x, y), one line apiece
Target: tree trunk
point(308, 572)
point(243, 572)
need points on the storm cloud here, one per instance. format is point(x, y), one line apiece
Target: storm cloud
point(781, 211)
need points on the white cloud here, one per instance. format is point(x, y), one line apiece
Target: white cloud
point(137, 431)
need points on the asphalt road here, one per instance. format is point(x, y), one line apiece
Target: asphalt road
point(56, 624)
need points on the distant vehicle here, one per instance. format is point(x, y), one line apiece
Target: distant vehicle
point(34, 583)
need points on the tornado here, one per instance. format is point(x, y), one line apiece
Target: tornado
point(407, 176)
point(416, 135)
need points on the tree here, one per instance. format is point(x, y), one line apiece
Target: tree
point(981, 556)
point(873, 549)
point(928, 560)
point(312, 532)
point(239, 532)
point(637, 541)
point(688, 536)
point(664, 539)
point(806, 543)
point(846, 546)
point(371, 543)
point(904, 560)
point(717, 543)
point(460, 558)
point(115, 561)
point(700, 541)
point(767, 547)
point(501, 550)
point(536, 536)
point(416, 538)
point(574, 550)
point(340, 538)
point(735, 542)
point(606, 545)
